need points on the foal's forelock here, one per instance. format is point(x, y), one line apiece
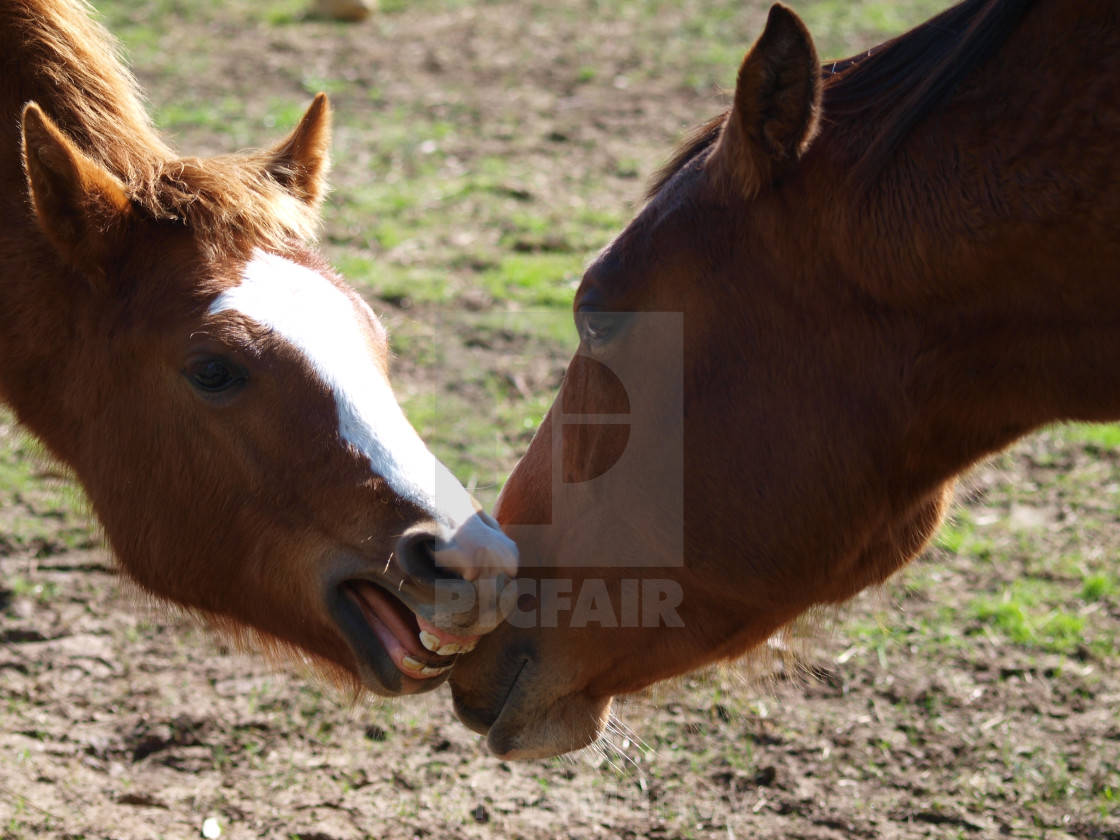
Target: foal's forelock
point(341, 340)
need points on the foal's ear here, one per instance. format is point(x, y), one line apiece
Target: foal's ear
point(777, 106)
point(81, 206)
point(301, 162)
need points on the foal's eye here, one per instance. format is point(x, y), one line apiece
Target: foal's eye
point(595, 326)
point(213, 374)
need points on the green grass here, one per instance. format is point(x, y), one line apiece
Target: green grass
point(1098, 586)
point(19, 457)
point(1098, 437)
point(960, 535)
point(534, 279)
point(45, 511)
point(1024, 616)
point(838, 24)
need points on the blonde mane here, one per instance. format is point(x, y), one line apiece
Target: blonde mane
point(73, 70)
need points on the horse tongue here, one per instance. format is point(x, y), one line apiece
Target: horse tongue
point(441, 641)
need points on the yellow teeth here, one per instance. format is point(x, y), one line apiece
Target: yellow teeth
point(413, 664)
point(417, 667)
point(430, 641)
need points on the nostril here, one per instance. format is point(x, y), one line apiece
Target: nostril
point(477, 548)
point(416, 554)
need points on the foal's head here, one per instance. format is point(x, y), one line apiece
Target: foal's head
point(223, 398)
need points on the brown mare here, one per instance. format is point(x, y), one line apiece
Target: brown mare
point(883, 270)
point(220, 394)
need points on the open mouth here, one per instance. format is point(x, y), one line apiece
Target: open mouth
point(416, 647)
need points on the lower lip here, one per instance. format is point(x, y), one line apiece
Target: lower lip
point(390, 630)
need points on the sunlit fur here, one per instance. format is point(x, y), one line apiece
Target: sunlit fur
point(227, 201)
point(888, 269)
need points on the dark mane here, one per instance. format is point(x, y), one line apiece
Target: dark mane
point(698, 140)
point(70, 66)
point(907, 78)
point(900, 81)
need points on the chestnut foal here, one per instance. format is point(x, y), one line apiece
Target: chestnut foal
point(218, 391)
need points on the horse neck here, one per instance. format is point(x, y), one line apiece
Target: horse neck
point(991, 237)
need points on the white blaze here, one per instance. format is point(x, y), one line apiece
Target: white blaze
point(330, 327)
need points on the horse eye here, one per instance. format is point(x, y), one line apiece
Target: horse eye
point(595, 327)
point(213, 375)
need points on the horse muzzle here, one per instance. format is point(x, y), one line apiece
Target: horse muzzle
point(407, 621)
point(504, 693)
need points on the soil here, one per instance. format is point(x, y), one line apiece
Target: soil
point(914, 717)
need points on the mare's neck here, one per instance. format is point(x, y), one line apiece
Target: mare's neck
point(995, 232)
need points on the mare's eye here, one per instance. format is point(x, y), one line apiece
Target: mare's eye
point(594, 326)
point(212, 374)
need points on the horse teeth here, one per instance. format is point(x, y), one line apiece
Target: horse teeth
point(413, 664)
point(433, 670)
point(467, 647)
point(430, 641)
point(449, 648)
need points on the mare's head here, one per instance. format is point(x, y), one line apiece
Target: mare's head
point(222, 396)
point(724, 452)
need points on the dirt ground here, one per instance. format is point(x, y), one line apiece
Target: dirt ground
point(922, 712)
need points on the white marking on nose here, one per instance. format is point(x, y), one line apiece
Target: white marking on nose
point(330, 328)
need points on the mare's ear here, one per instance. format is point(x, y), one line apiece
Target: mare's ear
point(301, 162)
point(81, 206)
point(777, 106)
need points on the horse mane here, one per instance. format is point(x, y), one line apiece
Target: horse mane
point(73, 67)
point(231, 203)
point(901, 81)
point(700, 139)
point(910, 76)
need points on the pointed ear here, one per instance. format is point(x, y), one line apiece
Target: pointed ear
point(301, 162)
point(777, 106)
point(80, 205)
